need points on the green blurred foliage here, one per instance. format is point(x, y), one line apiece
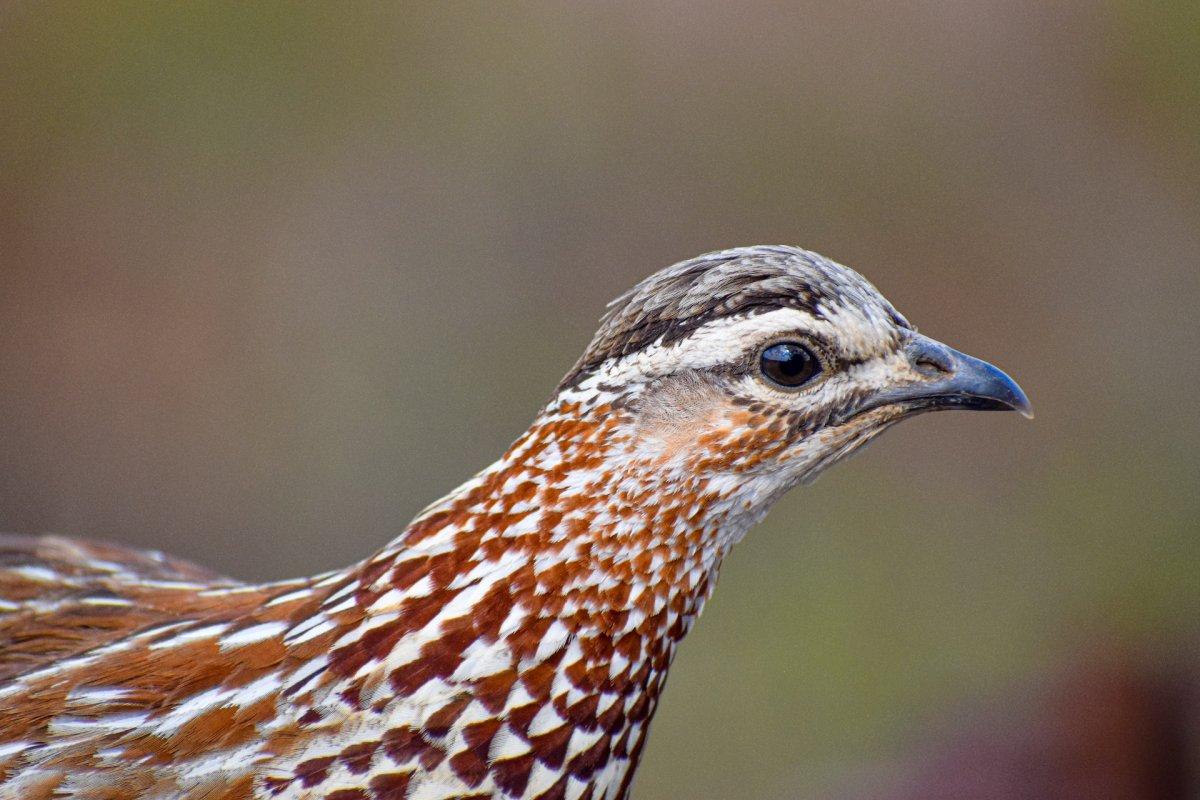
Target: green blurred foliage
point(273, 276)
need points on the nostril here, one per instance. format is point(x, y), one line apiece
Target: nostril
point(932, 366)
point(932, 360)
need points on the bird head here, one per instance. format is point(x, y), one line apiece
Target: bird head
point(753, 369)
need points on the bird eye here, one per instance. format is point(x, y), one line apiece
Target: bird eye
point(789, 364)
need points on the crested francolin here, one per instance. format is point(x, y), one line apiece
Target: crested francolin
point(514, 639)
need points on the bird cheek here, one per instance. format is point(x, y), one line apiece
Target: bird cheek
point(676, 438)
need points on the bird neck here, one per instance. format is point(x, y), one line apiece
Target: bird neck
point(576, 537)
point(579, 522)
point(547, 594)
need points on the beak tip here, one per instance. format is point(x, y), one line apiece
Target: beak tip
point(1004, 390)
point(1020, 403)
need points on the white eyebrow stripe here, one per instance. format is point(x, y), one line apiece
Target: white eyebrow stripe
point(718, 342)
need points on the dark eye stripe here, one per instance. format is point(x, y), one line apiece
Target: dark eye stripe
point(789, 364)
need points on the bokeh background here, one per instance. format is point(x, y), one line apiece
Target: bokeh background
point(274, 276)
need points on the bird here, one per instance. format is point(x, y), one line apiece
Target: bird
point(514, 639)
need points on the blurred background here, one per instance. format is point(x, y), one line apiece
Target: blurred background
point(273, 277)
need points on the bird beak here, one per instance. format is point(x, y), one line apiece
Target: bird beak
point(952, 380)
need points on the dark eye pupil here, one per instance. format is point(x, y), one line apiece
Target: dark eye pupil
point(789, 364)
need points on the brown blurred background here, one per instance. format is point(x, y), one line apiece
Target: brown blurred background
point(272, 277)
